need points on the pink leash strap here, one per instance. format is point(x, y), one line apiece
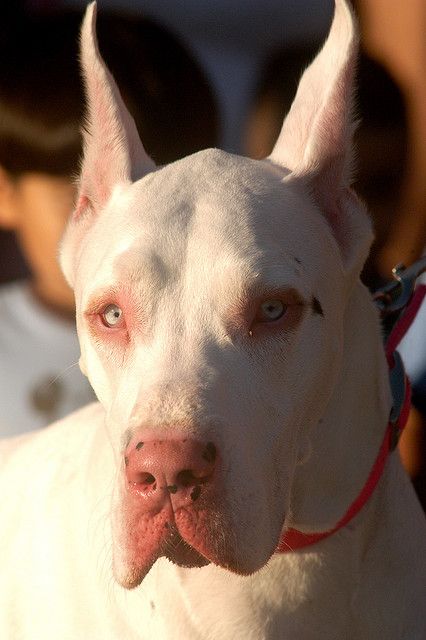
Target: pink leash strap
point(292, 539)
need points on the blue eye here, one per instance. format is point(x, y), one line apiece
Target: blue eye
point(271, 310)
point(111, 315)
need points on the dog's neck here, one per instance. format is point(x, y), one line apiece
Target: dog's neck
point(346, 441)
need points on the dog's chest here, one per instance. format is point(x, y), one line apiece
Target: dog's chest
point(160, 609)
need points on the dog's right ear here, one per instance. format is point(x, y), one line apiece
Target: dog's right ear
point(113, 153)
point(315, 142)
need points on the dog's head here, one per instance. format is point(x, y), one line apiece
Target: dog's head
point(210, 295)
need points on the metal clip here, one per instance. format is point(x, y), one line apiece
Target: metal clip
point(394, 297)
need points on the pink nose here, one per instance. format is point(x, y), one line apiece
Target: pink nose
point(179, 467)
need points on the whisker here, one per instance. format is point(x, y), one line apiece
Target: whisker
point(61, 374)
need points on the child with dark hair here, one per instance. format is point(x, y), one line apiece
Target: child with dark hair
point(41, 108)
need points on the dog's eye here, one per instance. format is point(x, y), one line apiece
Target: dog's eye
point(111, 315)
point(271, 310)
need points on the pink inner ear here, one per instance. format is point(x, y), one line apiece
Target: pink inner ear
point(107, 148)
point(317, 132)
point(113, 152)
point(83, 203)
point(332, 209)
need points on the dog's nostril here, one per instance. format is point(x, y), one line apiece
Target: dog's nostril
point(144, 480)
point(187, 477)
point(172, 488)
point(196, 492)
point(209, 453)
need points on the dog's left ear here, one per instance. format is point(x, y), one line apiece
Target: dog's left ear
point(315, 142)
point(113, 153)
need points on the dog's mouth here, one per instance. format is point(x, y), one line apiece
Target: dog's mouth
point(188, 537)
point(181, 535)
point(179, 551)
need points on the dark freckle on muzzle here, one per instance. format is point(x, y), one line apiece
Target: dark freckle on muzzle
point(126, 461)
point(172, 488)
point(139, 445)
point(195, 493)
point(316, 307)
point(209, 453)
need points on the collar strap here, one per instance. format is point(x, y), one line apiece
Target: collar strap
point(292, 539)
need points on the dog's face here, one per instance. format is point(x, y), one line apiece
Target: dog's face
point(210, 297)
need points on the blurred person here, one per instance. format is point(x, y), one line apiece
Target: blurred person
point(394, 33)
point(41, 108)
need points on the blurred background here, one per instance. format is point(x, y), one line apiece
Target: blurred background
point(200, 73)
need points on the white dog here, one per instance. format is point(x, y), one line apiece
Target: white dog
point(244, 398)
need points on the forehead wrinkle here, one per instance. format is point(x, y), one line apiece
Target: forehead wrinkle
point(141, 265)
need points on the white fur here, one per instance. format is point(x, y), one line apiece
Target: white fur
point(298, 413)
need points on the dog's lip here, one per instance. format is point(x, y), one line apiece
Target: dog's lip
point(170, 544)
point(193, 536)
point(176, 549)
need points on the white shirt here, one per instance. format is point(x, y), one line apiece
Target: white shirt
point(413, 352)
point(40, 380)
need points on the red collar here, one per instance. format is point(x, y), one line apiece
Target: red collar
point(292, 539)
